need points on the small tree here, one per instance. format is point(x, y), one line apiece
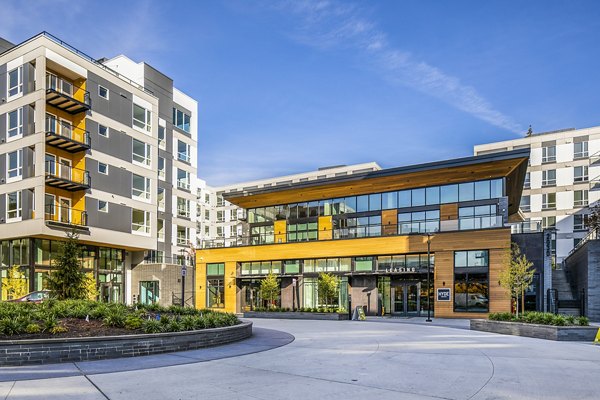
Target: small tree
point(328, 287)
point(518, 274)
point(68, 280)
point(15, 284)
point(269, 288)
point(90, 286)
point(593, 219)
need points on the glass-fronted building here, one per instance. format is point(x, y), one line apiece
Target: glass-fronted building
point(374, 231)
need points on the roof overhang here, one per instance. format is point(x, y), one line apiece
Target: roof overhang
point(511, 165)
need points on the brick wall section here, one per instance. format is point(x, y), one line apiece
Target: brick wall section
point(46, 351)
point(548, 332)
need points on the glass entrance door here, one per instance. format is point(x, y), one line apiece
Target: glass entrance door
point(406, 298)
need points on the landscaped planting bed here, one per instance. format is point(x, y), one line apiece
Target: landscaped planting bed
point(83, 318)
point(333, 314)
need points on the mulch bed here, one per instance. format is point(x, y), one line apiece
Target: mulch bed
point(77, 328)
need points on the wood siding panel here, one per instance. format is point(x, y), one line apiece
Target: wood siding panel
point(389, 222)
point(280, 229)
point(325, 228)
point(448, 211)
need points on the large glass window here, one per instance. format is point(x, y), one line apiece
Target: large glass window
point(466, 191)
point(389, 200)
point(580, 222)
point(549, 177)
point(181, 120)
point(14, 122)
point(183, 207)
point(15, 81)
point(183, 151)
point(140, 187)
point(449, 194)
point(580, 149)
point(215, 293)
point(548, 201)
point(140, 222)
point(471, 282)
point(183, 179)
point(580, 198)
point(479, 217)
point(142, 118)
point(302, 231)
point(149, 293)
point(141, 152)
point(548, 154)
point(419, 222)
point(13, 206)
point(183, 235)
point(363, 264)
point(580, 174)
point(14, 165)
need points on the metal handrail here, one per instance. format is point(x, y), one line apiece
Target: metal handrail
point(591, 235)
point(55, 127)
point(65, 215)
point(73, 94)
point(67, 173)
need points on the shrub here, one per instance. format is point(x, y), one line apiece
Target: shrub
point(133, 322)
point(151, 326)
point(115, 318)
point(583, 321)
point(173, 326)
point(33, 328)
point(58, 329)
point(188, 323)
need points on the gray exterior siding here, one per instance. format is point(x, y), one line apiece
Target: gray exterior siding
point(3, 72)
point(118, 217)
point(28, 120)
point(118, 180)
point(28, 162)
point(162, 87)
point(2, 208)
point(119, 105)
point(2, 169)
point(117, 144)
point(583, 272)
point(2, 125)
point(28, 78)
point(27, 204)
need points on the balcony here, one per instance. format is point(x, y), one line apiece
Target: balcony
point(66, 177)
point(66, 137)
point(65, 217)
point(65, 96)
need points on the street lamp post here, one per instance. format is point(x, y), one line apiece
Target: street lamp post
point(428, 277)
point(183, 273)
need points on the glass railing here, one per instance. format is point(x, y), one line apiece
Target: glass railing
point(185, 157)
point(63, 214)
point(67, 173)
point(481, 222)
point(526, 227)
point(60, 128)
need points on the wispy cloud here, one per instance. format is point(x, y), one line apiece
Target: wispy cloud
point(329, 24)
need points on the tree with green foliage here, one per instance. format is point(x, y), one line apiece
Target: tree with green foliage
point(15, 284)
point(269, 289)
point(67, 281)
point(91, 287)
point(518, 274)
point(328, 288)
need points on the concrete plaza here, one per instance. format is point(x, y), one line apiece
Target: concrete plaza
point(375, 359)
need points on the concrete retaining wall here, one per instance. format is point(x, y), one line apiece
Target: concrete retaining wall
point(296, 315)
point(45, 351)
point(562, 333)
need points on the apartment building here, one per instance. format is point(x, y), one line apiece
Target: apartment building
point(223, 224)
point(561, 181)
point(401, 240)
point(105, 148)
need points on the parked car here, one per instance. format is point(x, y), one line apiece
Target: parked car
point(35, 297)
point(471, 299)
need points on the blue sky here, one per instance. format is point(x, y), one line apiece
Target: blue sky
point(289, 86)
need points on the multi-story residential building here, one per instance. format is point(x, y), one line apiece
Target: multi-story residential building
point(223, 224)
point(562, 180)
point(380, 233)
point(105, 148)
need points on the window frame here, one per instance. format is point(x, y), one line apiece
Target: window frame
point(103, 209)
point(145, 225)
point(107, 97)
point(146, 158)
point(18, 211)
point(18, 168)
point(143, 195)
point(142, 125)
point(18, 128)
point(105, 168)
point(19, 85)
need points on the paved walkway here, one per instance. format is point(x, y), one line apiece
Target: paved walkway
point(353, 360)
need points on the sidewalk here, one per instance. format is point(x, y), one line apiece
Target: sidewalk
point(458, 323)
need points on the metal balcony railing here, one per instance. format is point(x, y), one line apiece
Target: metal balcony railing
point(526, 227)
point(65, 96)
point(66, 177)
point(64, 136)
point(59, 214)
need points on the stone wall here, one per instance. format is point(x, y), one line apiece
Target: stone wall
point(46, 351)
point(549, 332)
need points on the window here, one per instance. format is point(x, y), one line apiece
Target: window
point(549, 222)
point(232, 215)
point(580, 198)
point(160, 198)
point(207, 215)
point(548, 201)
point(580, 222)
point(549, 154)
point(527, 183)
point(13, 206)
point(549, 178)
point(466, 191)
point(15, 82)
point(103, 92)
point(389, 200)
point(215, 293)
point(220, 201)
point(525, 203)
point(580, 149)
point(102, 206)
point(142, 118)
point(181, 120)
point(183, 235)
point(580, 174)
point(219, 231)
point(140, 222)
point(102, 130)
point(471, 281)
point(363, 264)
point(102, 168)
point(183, 207)
point(183, 179)
point(161, 137)
point(183, 151)
point(141, 152)
point(479, 217)
point(160, 229)
point(149, 293)
point(161, 168)
point(140, 187)
point(49, 207)
point(14, 165)
point(14, 122)
point(419, 222)
point(302, 231)
point(220, 216)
